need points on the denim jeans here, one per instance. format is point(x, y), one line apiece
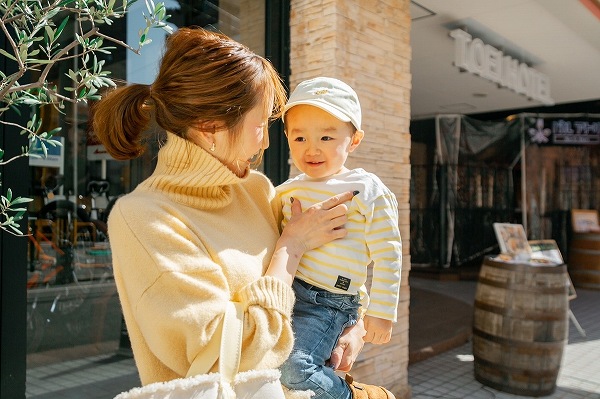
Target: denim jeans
point(318, 320)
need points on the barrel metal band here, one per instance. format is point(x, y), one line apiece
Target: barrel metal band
point(520, 287)
point(546, 315)
point(525, 372)
point(517, 343)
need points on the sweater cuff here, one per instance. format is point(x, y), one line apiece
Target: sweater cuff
point(271, 293)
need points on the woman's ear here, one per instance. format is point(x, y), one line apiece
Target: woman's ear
point(356, 139)
point(203, 133)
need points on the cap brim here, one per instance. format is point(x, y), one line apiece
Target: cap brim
point(319, 104)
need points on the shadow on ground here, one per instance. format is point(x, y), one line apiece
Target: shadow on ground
point(437, 323)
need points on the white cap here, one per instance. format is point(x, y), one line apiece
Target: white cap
point(329, 94)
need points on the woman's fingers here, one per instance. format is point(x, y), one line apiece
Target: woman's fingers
point(348, 347)
point(318, 224)
point(335, 210)
point(331, 212)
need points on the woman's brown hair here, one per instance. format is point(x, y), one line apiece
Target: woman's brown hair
point(203, 76)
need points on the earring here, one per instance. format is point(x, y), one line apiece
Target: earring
point(213, 147)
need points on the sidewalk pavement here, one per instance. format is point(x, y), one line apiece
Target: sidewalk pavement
point(441, 361)
point(449, 374)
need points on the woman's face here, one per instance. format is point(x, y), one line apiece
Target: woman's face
point(252, 137)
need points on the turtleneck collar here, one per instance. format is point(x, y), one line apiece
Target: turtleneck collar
point(191, 176)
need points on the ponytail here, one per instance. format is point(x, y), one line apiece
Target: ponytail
point(203, 76)
point(120, 118)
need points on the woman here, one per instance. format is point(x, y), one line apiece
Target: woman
point(202, 229)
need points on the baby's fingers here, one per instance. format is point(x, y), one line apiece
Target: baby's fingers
point(337, 200)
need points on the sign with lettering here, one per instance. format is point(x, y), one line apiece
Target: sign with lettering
point(474, 56)
point(584, 130)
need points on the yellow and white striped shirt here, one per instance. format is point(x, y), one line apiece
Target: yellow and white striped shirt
point(373, 236)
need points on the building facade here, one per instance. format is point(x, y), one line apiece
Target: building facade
point(59, 301)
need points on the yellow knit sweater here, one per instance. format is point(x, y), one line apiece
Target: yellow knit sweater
point(184, 242)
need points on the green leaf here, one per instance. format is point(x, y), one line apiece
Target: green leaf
point(53, 132)
point(21, 200)
point(41, 61)
point(161, 11)
point(23, 52)
point(14, 226)
point(31, 101)
point(61, 26)
point(52, 13)
point(8, 55)
point(150, 6)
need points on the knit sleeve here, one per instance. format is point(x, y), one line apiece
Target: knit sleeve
point(174, 295)
point(267, 324)
point(385, 247)
point(277, 206)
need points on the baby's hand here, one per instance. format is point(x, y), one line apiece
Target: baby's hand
point(379, 331)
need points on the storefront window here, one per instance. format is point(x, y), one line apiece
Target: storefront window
point(73, 309)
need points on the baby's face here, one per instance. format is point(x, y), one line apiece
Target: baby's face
point(319, 142)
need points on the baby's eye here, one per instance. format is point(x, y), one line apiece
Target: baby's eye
point(300, 139)
point(326, 138)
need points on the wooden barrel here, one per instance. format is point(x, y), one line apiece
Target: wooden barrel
point(520, 326)
point(584, 260)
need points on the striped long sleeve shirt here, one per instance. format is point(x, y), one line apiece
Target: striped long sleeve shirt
point(373, 239)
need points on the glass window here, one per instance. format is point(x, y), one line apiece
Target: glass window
point(73, 310)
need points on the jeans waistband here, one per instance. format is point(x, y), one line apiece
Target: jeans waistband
point(308, 286)
point(311, 287)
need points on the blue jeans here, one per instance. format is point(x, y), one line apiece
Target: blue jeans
point(318, 321)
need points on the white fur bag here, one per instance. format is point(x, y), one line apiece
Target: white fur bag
point(227, 383)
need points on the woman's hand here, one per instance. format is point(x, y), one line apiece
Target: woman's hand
point(348, 347)
point(318, 225)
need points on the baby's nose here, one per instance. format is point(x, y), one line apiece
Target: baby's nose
point(313, 148)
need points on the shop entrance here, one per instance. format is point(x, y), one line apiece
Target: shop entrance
point(531, 169)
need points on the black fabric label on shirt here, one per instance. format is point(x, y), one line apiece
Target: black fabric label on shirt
point(343, 283)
